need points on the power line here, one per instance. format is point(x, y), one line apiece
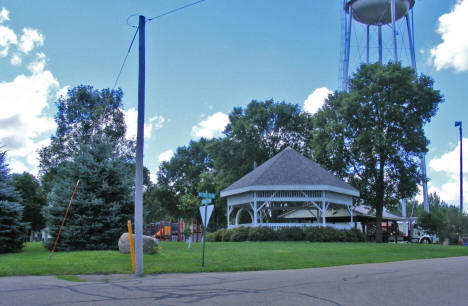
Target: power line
point(175, 10)
point(125, 59)
point(147, 20)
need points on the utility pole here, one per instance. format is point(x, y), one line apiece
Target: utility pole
point(139, 151)
point(459, 124)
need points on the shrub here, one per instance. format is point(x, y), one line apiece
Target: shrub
point(313, 234)
point(226, 235)
point(262, 233)
point(324, 234)
point(354, 235)
point(240, 234)
point(211, 237)
point(291, 234)
point(339, 235)
point(218, 235)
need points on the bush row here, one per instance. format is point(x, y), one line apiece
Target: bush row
point(263, 233)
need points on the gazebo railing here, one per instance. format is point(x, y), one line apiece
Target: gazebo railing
point(277, 226)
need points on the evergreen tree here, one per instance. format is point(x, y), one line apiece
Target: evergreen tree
point(84, 113)
point(11, 212)
point(89, 145)
point(33, 199)
point(103, 202)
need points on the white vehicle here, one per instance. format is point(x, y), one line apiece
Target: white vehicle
point(413, 233)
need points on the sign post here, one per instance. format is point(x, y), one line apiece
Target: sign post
point(205, 212)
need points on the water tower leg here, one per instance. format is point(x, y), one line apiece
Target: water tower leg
point(380, 44)
point(424, 183)
point(395, 52)
point(347, 50)
point(411, 42)
point(367, 44)
point(423, 157)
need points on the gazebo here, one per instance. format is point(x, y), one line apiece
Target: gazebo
point(288, 182)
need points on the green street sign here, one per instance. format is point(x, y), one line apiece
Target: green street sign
point(206, 195)
point(206, 201)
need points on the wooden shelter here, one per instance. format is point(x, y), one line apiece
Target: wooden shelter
point(288, 182)
point(363, 217)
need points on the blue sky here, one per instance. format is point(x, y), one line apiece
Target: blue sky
point(205, 60)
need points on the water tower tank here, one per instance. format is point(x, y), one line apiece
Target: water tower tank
point(377, 12)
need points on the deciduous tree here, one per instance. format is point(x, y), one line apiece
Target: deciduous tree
point(32, 199)
point(373, 135)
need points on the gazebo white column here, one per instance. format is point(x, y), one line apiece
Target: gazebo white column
point(255, 215)
point(228, 214)
point(350, 210)
point(323, 212)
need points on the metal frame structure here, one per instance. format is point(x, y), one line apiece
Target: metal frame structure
point(347, 28)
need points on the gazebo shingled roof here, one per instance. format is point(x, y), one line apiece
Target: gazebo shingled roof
point(288, 168)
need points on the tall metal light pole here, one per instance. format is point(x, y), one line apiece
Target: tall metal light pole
point(459, 124)
point(139, 152)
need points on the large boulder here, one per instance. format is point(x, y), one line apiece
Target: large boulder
point(150, 244)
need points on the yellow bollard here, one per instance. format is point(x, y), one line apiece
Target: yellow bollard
point(132, 249)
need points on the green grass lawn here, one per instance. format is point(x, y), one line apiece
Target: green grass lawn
point(220, 256)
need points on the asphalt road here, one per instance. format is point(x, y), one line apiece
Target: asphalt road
point(419, 282)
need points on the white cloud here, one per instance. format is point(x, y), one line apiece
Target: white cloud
point(155, 123)
point(316, 99)
point(30, 39)
point(449, 164)
point(4, 15)
point(62, 93)
point(38, 65)
point(16, 59)
point(453, 51)
point(131, 120)
point(213, 126)
point(17, 167)
point(24, 125)
point(165, 156)
point(22, 119)
point(7, 38)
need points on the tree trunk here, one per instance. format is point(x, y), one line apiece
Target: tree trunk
point(379, 202)
point(378, 225)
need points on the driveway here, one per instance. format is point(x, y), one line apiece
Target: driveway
point(418, 282)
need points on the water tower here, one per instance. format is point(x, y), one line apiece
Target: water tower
point(380, 26)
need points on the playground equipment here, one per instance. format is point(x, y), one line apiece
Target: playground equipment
point(174, 231)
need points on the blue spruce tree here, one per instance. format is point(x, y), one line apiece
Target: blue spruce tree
point(11, 212)
point(103, 202)
point(90, 146)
